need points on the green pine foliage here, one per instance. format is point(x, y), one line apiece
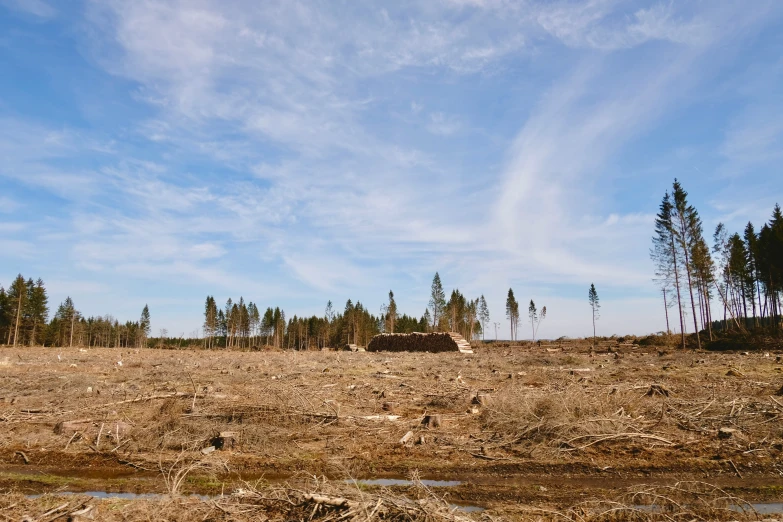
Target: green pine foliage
point(595, 306)
point(512, 313)
point(741, 275)
point(437, 302)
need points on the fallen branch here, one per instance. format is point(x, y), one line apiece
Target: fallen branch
point(329, 501)
point(75, 433)
point(735, 468)
point(487, 457)
point(24, 457)
point(603, 438)
point(54, 510)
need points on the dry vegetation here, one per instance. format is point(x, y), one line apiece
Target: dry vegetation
point(559, 428)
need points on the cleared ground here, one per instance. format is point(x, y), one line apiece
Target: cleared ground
point(520, 428)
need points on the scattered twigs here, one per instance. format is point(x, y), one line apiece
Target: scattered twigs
point(98, 439)
point(52, 511)
point(133, 465)
point(75, 433)
point(603, 438)
point(195, 392)
point(23, 455)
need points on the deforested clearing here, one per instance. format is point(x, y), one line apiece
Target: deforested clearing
point(521, 431)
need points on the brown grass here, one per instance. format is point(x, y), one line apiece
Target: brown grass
point(544, 411)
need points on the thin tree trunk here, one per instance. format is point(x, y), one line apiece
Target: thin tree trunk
point(18, 316)
point(726, 307)
point(708, 308)
point(73, 318)
point(758, 293)
point(677, 287)
point(665, 309)
point(693, 303)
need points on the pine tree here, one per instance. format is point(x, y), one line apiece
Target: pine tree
point(348, 314)
point(66, 321)
point(391, 311)
point(144, 325)
point(595, 305)
point(512, 313)
point(255, 322)
point(437, 301)
point(687, 226)
point(471, 314)
point(38, 311)
point(5, 315)
point(427, 320)
point(17, 295)
point(665, 253)
point(455, 311)
point(722, 248)
point(703, 268)
point(738, 273)
point(329, 319)
point(775, 256)
point(752, 246)
point(532, 314)
point(483, 315)
point(268, 324)
point(210, 321)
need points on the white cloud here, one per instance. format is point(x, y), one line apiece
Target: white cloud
point(8, 205)
point(443, 124)
point(207, 251)
point(37, 8)
point(270, 144)
point(596, 24)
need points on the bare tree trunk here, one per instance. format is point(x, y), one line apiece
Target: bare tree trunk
point(708, 308)
point(693, 303)
point(758, 293)
point(727, 307)
point(73, 319)
point(677, 287)
point(18, 316)
point(665, 308)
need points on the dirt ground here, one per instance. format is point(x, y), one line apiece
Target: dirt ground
point(510, 428)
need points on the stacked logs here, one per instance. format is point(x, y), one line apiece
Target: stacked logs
point(419, 342)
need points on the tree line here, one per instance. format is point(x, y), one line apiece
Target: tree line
point(743, 273)
point(24, 321)
point(242, 325)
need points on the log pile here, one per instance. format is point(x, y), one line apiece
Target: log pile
point(419, 342)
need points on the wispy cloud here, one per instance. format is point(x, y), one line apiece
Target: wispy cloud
point(37, 8)
point(303, 152)
point(443, 124)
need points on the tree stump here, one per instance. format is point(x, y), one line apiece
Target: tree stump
point(225, 440)
point(432, 421)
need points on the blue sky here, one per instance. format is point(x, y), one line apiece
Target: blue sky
point(294, 152)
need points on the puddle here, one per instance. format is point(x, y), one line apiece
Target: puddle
point(388, 482)
point(762, 508)
point(465, 508)
point(106, 495)
point(765, 508)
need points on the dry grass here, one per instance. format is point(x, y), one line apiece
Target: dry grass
point(555, 408)
point(320, 500)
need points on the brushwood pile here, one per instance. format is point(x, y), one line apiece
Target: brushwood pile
point(420, 342)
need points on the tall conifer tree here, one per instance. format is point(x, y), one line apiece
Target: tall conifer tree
point(665, 253)
point(595, 305)
point(437, 301)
